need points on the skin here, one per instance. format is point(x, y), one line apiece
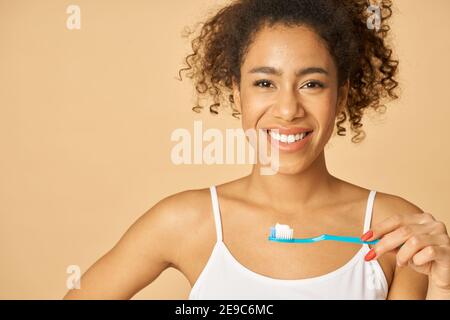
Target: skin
point(303, 194)
point(421, 243)
point(289, 100)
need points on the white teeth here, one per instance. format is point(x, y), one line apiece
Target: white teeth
point(290, 138)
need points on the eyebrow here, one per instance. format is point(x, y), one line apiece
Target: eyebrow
point(298, 73)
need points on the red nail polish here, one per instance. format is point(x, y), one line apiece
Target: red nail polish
point(366, 236)
point(370, 255)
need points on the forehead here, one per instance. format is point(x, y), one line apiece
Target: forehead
point(280, 45)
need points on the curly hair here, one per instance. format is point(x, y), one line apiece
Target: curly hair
point(361, 54)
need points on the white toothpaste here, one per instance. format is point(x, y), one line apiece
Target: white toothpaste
point(283, 231)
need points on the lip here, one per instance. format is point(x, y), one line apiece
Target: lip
point(287, 131)
point(290, 147)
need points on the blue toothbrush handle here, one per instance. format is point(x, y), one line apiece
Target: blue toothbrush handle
point(324, 237)
point(348, 239)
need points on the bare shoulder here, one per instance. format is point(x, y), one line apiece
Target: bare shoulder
point(182, 207)
point(180, 216)
point(390, 204)
point(385, 204)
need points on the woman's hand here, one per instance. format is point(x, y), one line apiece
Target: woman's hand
point(422, 243)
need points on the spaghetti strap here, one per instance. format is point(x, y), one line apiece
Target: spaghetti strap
point(369, 209)
point(218, 224)
point(216, 212)
point(224, 277)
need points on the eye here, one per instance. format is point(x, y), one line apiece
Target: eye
point(263, 82)
point(314, 85)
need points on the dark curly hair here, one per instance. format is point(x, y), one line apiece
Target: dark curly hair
point(361, 54)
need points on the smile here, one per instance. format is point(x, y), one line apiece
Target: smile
point(291, 142)
point(288, 138)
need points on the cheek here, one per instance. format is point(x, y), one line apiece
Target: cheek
point(326, 115)
point(322, 108)
point(253, 108)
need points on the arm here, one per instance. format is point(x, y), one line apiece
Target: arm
point(146, 249)
point(407, 284)
point(422, 249)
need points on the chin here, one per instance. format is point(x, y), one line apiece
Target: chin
point(291, 169)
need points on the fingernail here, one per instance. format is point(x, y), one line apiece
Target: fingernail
point(370, 255)
point(366, 236)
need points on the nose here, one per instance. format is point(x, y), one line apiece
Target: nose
point(288, 105)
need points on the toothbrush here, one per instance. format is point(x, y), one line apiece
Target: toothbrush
point(283, 233)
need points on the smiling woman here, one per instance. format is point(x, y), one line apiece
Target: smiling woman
point(360, 54)
point(293, 69)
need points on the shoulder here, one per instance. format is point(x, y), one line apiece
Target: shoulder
point(182, 207)
point(176, 218)
point(390, 204)
point(385, 204)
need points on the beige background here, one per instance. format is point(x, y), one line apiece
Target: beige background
point(86, 117)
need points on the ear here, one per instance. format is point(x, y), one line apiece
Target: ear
point(237, 96)
point(342, 97)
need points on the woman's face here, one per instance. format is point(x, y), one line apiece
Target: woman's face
point(289, 80)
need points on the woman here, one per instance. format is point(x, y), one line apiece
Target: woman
point(294, 66)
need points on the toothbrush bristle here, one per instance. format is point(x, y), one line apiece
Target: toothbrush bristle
point(272, 232)
point(284, 234)
point(281, 232)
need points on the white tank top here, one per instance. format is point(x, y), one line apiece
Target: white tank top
point(223, 277)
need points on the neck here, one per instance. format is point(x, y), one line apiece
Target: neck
point(309, 188)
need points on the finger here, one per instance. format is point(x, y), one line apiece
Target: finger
point(435, 262)
point(424, 268)
point(432, 253)
point(396, 221)
point(416, 243)
point(398, 237)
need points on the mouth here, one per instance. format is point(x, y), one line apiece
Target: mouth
point(289, 142)
point(288, 138)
